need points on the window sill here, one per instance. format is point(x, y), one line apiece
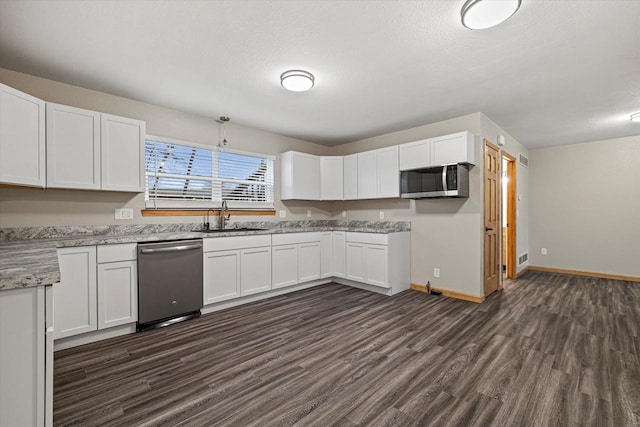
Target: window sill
point(200, 212)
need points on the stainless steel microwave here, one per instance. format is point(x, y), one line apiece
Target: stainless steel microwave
point(439, 181)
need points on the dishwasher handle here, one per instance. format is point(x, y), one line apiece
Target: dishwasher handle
point(171, 249)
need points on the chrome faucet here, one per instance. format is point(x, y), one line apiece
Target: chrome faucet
point(223, 218)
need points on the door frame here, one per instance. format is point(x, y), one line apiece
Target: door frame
point(498, 256)
point(511, 214)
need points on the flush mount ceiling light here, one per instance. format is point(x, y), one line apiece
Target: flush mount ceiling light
point(481, 14)
point(297, 80)
point(635, 117)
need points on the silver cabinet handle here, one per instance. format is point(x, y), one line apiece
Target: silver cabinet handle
point(171, 249)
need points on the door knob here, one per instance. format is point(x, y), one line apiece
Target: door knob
point(488, 229)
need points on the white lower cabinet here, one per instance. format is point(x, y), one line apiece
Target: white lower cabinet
point(236, 266)
point(355, 261)
point(75, 297)
point(26, 358)
point(255, 270)
point(338, 253)
point(376, 265)
point(117, 293)
point(285, 265)
point(308, 261)
point(326, 254)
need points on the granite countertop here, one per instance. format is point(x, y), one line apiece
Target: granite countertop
point(28, 255)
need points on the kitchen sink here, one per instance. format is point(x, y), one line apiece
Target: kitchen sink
point(232, 230)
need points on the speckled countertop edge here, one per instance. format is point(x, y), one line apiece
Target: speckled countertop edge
point(33, 262)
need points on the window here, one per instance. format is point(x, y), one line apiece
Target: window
point(185, 175)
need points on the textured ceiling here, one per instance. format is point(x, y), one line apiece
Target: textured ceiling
point(557, 72)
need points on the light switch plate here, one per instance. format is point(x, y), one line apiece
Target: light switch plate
point(381, 214)
point(436, 272)
point(125, 213)
point(308, 213)
point(283, 213)
point(344, 214)
point(543, 251)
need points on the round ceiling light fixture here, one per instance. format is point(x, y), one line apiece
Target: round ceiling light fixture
point(635, 117)
point(482, 14)
point(297, 80)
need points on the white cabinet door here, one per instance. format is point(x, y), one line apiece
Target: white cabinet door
point(284, 261)
point(221, 276)
point(299, 176)
point(308, 261)
point(73, 147)
point(326, 254)
point(331, 178)
point(339, 261)
point(22, 138)
point(415, 155)
point(367, 175)
point(75, 297)
point(376, 262)
point(255, 270)
point(355, 261)
point(22, 357)
point(388, 174)
point(454, 148)
point(122, 149)
point(350, 177)
point(117, 293)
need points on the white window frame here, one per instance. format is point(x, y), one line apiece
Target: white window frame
point(153, 203)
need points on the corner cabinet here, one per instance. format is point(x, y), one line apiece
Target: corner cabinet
point(299, 176)
point(26, 357)
point(296, 258)
point(331, 178)
point(22, 138)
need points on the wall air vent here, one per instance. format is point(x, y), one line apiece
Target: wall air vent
point(524, 160)
point(523, 258)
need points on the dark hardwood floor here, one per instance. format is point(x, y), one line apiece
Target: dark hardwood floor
point(549, 350)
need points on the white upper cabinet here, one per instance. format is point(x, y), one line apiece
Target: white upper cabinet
point(122, 153)
point(415, 155)
point(447, 149)
point(22, 138)
point(331, 178)
point(299, 176)
point(367, 175)
point(350, 177)
point(73, 148)
point(454, 148)
point(388, 174)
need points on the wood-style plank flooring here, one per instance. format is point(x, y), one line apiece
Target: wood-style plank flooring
point(549, 350)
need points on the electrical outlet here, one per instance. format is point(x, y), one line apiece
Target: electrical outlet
point(308, 213)
point(344, 214)
point(436, 272)
point(283, 213)
point(381, 214)
point(543, 251)
point(126, 213)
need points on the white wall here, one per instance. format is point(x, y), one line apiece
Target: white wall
point(38, 207)
point(585, 206)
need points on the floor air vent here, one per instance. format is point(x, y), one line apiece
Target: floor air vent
point(524, 160)
point(523, 258)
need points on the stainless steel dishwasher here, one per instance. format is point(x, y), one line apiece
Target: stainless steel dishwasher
point(169, 282)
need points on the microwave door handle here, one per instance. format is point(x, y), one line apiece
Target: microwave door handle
point(444, 178)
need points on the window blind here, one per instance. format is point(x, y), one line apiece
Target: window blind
point(180, 175)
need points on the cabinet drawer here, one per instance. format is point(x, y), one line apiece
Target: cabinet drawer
point(373, 238)
point(235, 242)
point(294, 238)
point(119, 252)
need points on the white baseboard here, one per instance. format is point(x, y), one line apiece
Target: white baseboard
point(89, 337)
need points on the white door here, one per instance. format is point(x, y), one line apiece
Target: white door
point(367, 175)
point(308, 261)
point(355, 261)
point(255, 270)
point(22, 357)
point(284, 260)
point(326, 254)
point(73, 148)
point(331, 178)
point(388, 173)
point(221, 276)
point(350, 177)
point(415, 155)
point(306, 176)
point(339, 261)
point(75, 297)
point(22, 138)
point(117, 293)
point(122, 153)
point(376, 261)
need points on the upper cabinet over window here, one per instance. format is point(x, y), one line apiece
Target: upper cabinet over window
point(122, 153)
point(22, 138)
